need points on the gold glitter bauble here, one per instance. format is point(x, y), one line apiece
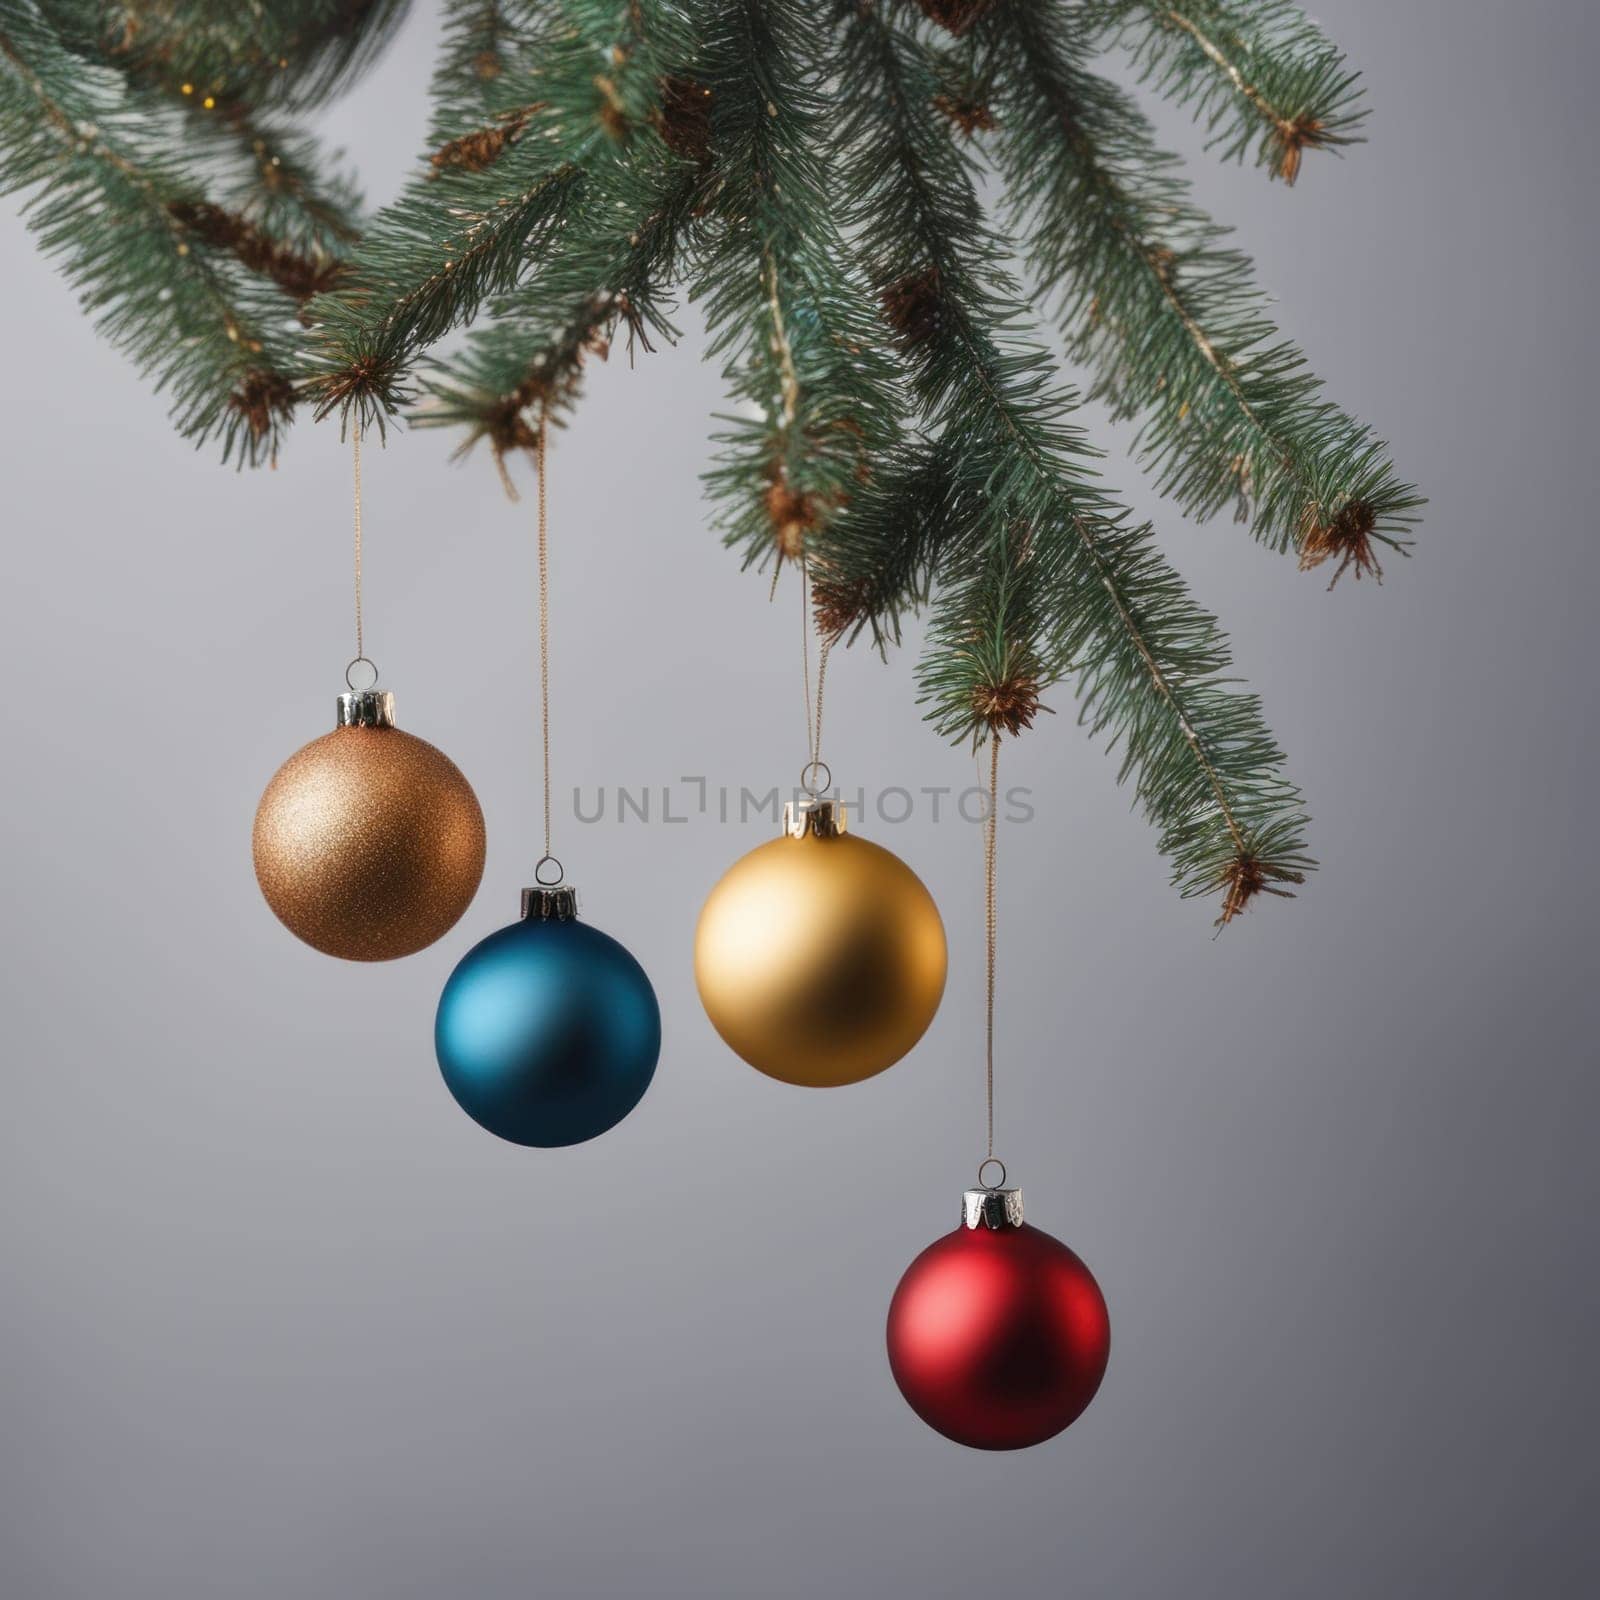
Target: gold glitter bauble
point(369, 842)
point(820, 958)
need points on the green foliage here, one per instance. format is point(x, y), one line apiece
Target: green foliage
point(1258, 74)
point(281, 181)
point(289, 55)
point(193, 226)
point(789, 313)
point(623, 231)
point(484, 41)
point(238, 75)
point(104, 177)
point(1165, 313)
point(493, 199)
point(1040, 574)
point(809, 176)
point(426, 284)
point(609, 279)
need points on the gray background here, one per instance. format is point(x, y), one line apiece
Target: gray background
point(279, 1322)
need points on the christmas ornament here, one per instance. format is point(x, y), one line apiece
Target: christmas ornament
point(548, 1031)
point(368, 843)
point(998, 1334)
point(820, 957)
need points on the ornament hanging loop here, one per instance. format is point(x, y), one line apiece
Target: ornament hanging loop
point(362, 674)
point(983, 1167)
point(545, 864)
point(809, 771)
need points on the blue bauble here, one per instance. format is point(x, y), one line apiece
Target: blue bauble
point(548, 1031)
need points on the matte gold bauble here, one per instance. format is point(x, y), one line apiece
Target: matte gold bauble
point(369, 842)
point(820, 957)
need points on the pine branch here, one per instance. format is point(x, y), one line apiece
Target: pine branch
point(810, 173)
point(482, 146)
point(280, 181)
point(289, 54)
point(282, 186)
point(483, 42)
point(614, 265)
point(467, 230)
point(956, 16)
point(788, 312)
point(1041, 573)
point(176, 302)
point(1258, 74)
point(876, 562)
point(301, 275)
point(407, 286)
point(1167, 316)
point(611, 271)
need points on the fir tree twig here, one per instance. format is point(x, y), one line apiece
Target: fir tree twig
point(613, 271)
point(787, 311)
point(808, 175)
point(466, 231)
point(1258, 74)
point(1166, 314)
point(292, 55)
point(173, 300)
point(1041, 575)
point(286, 184)
point(483, 41)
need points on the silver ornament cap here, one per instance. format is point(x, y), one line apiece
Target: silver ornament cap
point(824, 818)
point(544, 903)
point(366, 708)
point(994, 1209)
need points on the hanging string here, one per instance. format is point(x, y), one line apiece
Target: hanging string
point(991, 823)
point(813, 712)
point(822, 674)
point(355, 461)
point(805, 653)
point(356, 466)
point(544, 635)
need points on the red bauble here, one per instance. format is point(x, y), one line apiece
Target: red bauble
point(998, 1333)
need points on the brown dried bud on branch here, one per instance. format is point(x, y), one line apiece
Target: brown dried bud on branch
point(632, 317)
point(263, 399)
point(1293, 139)
point(367, 383)
point(300, 275)
point(506, 425)
point(914, 307)
point(1346, 536)
point(793, 516)
point(1246, 877)
point(840, 605)
point(1010, 704)
point(684, 120)
point(956, 15)
point(969, 115)
point(481, 148)
point(613, 114)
